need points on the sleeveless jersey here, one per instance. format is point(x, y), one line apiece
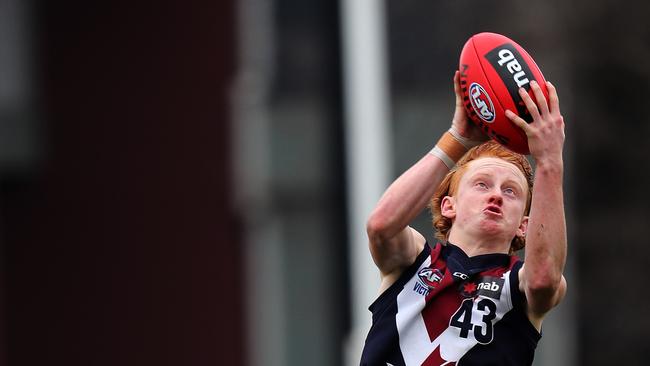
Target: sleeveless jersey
point(451, 309)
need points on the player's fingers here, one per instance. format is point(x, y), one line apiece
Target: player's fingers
point(539, 96)
point(457, 83)
point(553, 98)
point(528, 101)
point(518, 121)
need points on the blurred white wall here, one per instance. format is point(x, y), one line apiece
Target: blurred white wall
point(368, 149)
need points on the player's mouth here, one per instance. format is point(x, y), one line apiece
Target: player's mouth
point(493, 210)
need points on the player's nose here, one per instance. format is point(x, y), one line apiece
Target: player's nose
point(495, 198)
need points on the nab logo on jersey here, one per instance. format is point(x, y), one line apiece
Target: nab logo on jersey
point(428, 279)
point(487, 286)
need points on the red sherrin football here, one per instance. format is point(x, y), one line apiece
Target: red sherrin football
point(492, 69)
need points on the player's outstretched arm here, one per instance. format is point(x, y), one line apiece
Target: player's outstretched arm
point(393, 244)
point(546, 242)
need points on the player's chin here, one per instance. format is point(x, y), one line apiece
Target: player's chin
point(493, 226)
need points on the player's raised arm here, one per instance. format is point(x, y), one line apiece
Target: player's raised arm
point(546, 242)
point(393, 244)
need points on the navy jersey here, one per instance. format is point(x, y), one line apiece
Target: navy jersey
point(451, 309)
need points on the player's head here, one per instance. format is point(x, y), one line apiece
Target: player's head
point(499, 159)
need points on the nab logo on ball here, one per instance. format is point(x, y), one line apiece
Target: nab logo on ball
point(514, 73)
point(481, 102)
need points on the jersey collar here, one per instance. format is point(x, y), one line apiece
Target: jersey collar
point(458, 261)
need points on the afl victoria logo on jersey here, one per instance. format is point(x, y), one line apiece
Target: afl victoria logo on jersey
point(428, 279)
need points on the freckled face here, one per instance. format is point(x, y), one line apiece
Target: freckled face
point(491, 199)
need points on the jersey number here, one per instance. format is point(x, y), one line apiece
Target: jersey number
point(462, 319)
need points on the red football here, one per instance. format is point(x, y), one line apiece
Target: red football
point(492, 69)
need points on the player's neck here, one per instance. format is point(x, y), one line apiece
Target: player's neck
point(473, 246)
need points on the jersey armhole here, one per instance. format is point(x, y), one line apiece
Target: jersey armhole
point(518, 298)
point(384, 299)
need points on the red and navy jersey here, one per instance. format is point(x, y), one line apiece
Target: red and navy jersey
point(451, 309)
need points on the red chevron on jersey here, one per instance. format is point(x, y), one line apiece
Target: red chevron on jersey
point(436, 318)
point(436, 360)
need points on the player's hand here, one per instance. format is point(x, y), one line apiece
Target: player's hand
point(546, 133)
point(461, 123)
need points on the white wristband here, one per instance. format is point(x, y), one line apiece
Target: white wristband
point(463, 140)
point(436, 151)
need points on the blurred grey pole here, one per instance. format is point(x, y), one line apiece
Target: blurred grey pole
point(368, 153)
point(267, 337)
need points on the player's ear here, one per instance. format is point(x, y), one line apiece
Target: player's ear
point(523, 227)
point(448, 207)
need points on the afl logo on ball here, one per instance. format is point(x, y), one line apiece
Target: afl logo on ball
point(481, 102)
